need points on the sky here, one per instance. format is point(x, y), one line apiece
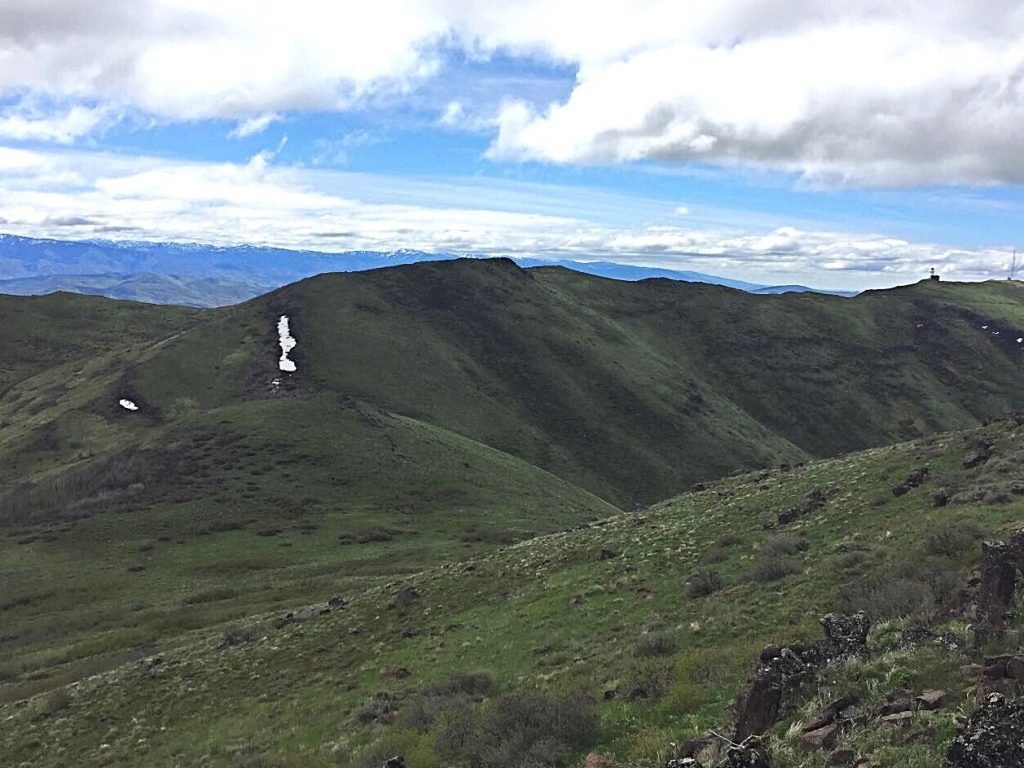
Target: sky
point(841, 145)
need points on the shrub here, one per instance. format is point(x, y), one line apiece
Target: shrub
point(475, 683)
point(953, 539)
point(703, 582)
point(522, 729)
point(770, 568)
point(783, 544)
point(656, 644)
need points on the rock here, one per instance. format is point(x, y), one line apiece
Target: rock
point(1000, 561)
point(597, 760)
point(394, 762)
point(764, 698)
point(822, 738)
point(608, 554)
point(930, 700)
point(941, 497)
point(336, 602)
point(915, 635)
point(684, 762)
point(993, 736)
point(814, 501)
point(897, 718)
point(978, 454)
point(750, 754)
point(847, 635)
point(842, 756)
point(831, 713)
point(914, 479)
point(1015, 668)
point(404, 598)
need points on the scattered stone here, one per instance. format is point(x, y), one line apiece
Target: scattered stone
point(831, 713)
point(608, 554)
point(842, 756)
point(822, 738)
point(336, 602)
point(942, 497)
point(847, 635)
point(993, 736)
point(597, 760)
point(394, 762)
point(684, 762)
point(930, 700)
point(404, 598)
point(915, 635)
point(896, 701)
point(914, 479)
point(897, 718)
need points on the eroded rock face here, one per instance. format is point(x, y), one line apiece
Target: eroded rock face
point(780, 672)
point(847, 635)
point(1000, 562)
point(978, 453)
point(993, 736)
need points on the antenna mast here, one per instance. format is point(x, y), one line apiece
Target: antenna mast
point(1013, 266)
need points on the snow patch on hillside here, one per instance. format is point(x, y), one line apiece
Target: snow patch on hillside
point(287, 345)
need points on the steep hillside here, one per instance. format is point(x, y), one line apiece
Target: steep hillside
point(151, 287)
point(633, 633)
point(631, 390)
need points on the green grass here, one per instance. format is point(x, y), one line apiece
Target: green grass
point(551, 612)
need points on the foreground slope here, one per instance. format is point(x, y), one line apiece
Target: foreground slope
point(609, 610)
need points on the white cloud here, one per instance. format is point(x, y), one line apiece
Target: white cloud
point(26, 124)
point(48, 194)
point(253, 125)
point(453, 114)
point(681, 210)
point(882, 93)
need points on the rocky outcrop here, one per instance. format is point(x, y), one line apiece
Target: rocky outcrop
point(814, 501)
point(1000, 562)
point(914, 479)
point(847, 635)
point(979, 451)
point(780, 672)
point(993, 736)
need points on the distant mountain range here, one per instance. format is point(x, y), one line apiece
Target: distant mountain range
point(213, 276)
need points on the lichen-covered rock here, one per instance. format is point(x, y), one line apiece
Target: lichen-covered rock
point(781, 671)
point(993, 736)
point(752, 753)
point(847, 635)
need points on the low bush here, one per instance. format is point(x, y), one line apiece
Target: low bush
point(703, 582)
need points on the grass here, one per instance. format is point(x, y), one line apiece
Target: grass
point(550, 613)
point(471, 430)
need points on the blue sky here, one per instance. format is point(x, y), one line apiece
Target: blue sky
point(752, 140)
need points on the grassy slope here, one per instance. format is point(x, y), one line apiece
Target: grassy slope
point(40, 332)
point(550, 611)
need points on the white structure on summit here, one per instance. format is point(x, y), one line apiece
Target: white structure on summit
point(287, 345)
point(128, 405)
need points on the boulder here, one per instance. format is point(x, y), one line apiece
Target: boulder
point(993, 736)
point(914, 479)
point(779, 673)
point(597, 760)
point(814, 501)
point(847, 635)
point(897, 718)
point(750, 754)
point(979, 452)
point(930, 700)
point(394, 762)
point(830, 714)
point(821, 738)
point(1000, 561)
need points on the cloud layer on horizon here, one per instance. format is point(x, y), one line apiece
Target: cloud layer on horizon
point(868, 93)
point(81, 195)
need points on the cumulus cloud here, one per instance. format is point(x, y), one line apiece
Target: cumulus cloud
point(21, 123)
point(893, 92)
point(98, 195)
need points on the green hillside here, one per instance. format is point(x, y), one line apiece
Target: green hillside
point(439, 412)
point(655, 618)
